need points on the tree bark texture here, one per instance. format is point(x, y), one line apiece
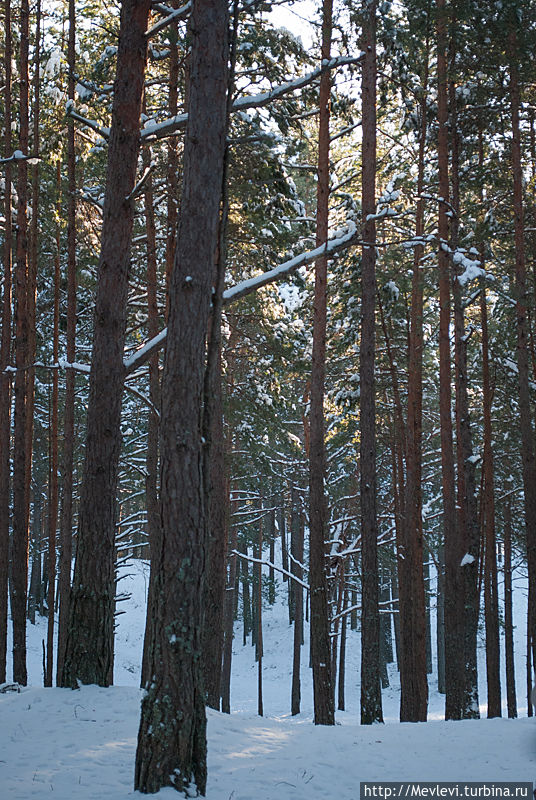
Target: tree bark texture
point(66, 516)
point(453, 606)
point(172, 737)
point(525, 416)
point(19, 568)
point(89, 647)
point(5, 351)
point(324, 711)
point(371, 699)
point(508, 615)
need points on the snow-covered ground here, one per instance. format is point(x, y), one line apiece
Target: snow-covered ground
point(56, 743)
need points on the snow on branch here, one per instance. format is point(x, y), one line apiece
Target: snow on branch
point(176, 14)
point(89, 123)
point(244, 288)
point(178, 122)
point(272, 566)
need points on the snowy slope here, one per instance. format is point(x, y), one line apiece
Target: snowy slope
point(63, 744)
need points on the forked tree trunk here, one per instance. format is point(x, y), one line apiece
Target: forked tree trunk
point(371, 697)
point(5, 350)
point(324, 711)
point(66, 517)
point(172, 736)
point(89, 647)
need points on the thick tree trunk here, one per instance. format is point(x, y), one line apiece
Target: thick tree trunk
point(5, 350)
point(19, 568)
point(172, 737)
point(324, 711)
point(89, 647)
point(371, 698)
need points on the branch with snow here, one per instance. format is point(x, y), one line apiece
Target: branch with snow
point(172, 16)
point(272, 566)
point(244, 288)
point(178, 123)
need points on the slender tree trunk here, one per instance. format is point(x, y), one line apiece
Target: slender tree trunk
point(525, 417)
point(371, 698)
point(468, 527)
point(342, 659)
point(151, 464)
point(228, 626)
point(53, 451)
point(66, 518)
point(172, 736)
point(5, 350)
point(508, 615)
point(491, 594)
point(454, 649)
point(440, 631)
point(324, 711)
point(19, 569)
point(259, 651)
point(413, 681)
point(298, 613)
point(89, 646)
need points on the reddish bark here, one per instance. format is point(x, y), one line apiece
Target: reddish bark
point(371, 699)
point(19, 562)
point(324, 711)
point(454, 680)
point(89, 647)
point(172, 737)
point(5, 349)
point(66, 518)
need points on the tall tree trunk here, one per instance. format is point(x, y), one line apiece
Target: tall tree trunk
point(525, 417)
point(413, 681)
point(454, 649)
point(508, 615)
point(66, 517)
point(468, 527)
point(491, 594)
point(172, 737)
point(89, 647)
point(371, 698)
point(19, 569)
point(259, 648)
point(151, 463)
point(324, 711)
point(53, 450)
point(5, 350)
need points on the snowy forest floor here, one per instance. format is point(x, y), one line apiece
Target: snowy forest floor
point(56, 743)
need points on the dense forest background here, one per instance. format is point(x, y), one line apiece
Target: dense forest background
point(341, 241)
